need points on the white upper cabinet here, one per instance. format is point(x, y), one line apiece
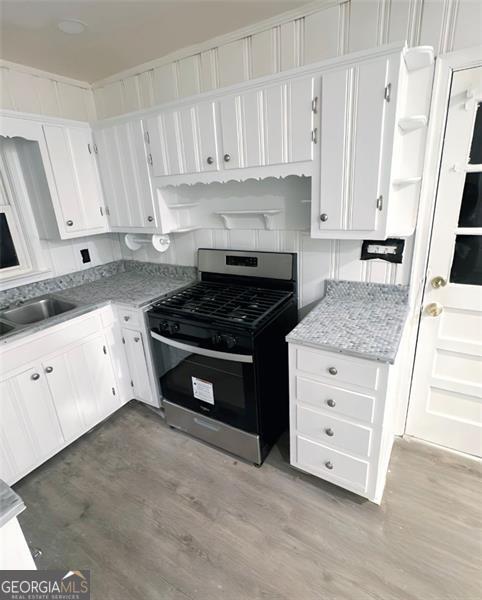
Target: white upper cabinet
point(123, 162)
point(184, 141)
point(80, 209)
point(360, 181)
point(268, 126)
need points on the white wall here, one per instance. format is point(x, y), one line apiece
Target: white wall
point(322, 30)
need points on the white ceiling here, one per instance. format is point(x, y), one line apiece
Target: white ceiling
point(120, 34)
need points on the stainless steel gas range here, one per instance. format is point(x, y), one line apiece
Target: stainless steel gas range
point(219, 350)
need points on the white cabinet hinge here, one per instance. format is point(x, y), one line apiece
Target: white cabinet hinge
point(107, 211)
point(314, 105)
point(123, 340)
point(104, 349)
point(314, 135)
point(113, 391)
point(132, 383)
point(149, 159)
point(96, 150)
point(101, 211)
point(89, 147)
point(146, 137)
point(388, 92)
point(380, 202)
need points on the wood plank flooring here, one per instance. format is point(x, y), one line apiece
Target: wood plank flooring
point(156, 515)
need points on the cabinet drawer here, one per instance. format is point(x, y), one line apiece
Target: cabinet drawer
point(335, 400)
point(330, 464)
point(328, 364)
point(333, 432)
point(129, 318)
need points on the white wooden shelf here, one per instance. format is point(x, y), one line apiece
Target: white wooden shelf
point(407, 124)
point(417, 58)
point(403, 182)
point(229, 215)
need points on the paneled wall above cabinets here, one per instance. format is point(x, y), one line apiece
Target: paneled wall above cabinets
point(318, 31)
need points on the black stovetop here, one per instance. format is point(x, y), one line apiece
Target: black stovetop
point(230, 303)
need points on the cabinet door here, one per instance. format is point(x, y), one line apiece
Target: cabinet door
point(165, 145)
point(76, 179)
point(300, 96)
point(136, 358)
point(354, 118)
point(123, 163)
point(29, 429)
point(231, 131)
point(207, 136)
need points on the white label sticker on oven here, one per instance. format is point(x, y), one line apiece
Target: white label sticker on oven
point(202, 390)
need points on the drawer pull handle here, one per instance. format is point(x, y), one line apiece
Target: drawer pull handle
point(331, 403)
point(333, 371)
point(329, 465)
point(329, 432)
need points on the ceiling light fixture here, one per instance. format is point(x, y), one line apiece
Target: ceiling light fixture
point(71, 26)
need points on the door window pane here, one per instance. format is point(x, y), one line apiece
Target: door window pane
point(467, 262)
point(8, 254)
point(471, 207)
point(476, 149)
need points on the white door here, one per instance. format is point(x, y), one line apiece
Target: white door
point(446, 399)
point(123, 163)
point(76, 179)
point(29, 429)
point(136, 358)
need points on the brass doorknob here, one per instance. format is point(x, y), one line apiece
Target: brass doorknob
point(434, 309)
point(438, 282)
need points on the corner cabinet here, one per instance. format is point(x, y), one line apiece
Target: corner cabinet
point(123, 158)
point(369, 159)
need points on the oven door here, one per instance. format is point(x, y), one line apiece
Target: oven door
point(213, 383)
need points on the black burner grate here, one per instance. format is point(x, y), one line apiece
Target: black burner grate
point(228, 303)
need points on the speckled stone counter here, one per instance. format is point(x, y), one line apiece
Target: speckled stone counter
point(11, 504)
point(359, 319)
point(131, 283)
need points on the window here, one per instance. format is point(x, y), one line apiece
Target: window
point(14, 255)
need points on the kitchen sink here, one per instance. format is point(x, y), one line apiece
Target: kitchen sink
point(37, 310)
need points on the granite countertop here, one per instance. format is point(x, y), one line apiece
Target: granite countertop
point(359, 319)
point(130, 283)
point(10, 503)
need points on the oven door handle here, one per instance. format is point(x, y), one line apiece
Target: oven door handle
point(244, 358)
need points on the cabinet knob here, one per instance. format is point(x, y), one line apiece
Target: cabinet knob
point(434, 309)
point(323, 217)
point(49, 369)
point(329, 432)
point(126, 318)
point(227, 157)
point(70, 223)
point(331, 403)
point(210, 160)
point(150, 219)
point(35, 376)
point(136, 339)
point(438, 282)
point(329, 465)
point(333, 371)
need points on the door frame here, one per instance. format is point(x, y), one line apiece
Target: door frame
point(445, 66)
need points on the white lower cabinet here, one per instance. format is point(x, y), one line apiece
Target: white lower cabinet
point(66, 386)
point(341, 411)
point(136, 351)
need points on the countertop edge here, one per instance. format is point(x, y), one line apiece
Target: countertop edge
point(337, 350)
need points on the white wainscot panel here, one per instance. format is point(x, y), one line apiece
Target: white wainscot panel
point(146, 89)
point(189, 76)
point(350, 265)
point(77, 102)
point(47, 96)
point(290, 44)
point(6, 100)
point(264, 53)
point(165, 83)
point(209, 74)
point(108, 100)
point(185, 249)
point(244, 239)
point(232, 63)
point(400, 27)
point(22, 90)
point(363, 28)
point(268, 241)
point(468, 24)
point(316, 266)
point(322, 34)
point(204, 238)
point(433, 24)
point(132, 96)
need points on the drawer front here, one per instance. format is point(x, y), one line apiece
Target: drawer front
point(335, 400)
point(129, 318)
point(330, 464)
point(333, 432)
point(336, 368)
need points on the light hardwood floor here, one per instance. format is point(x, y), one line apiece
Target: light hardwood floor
point(156, 515)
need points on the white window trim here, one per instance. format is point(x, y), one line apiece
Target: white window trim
point(8, 208)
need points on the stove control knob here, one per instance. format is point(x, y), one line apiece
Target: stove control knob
point(173, 327)
point(229, 341)
point(217, 339)
point(163, 326)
